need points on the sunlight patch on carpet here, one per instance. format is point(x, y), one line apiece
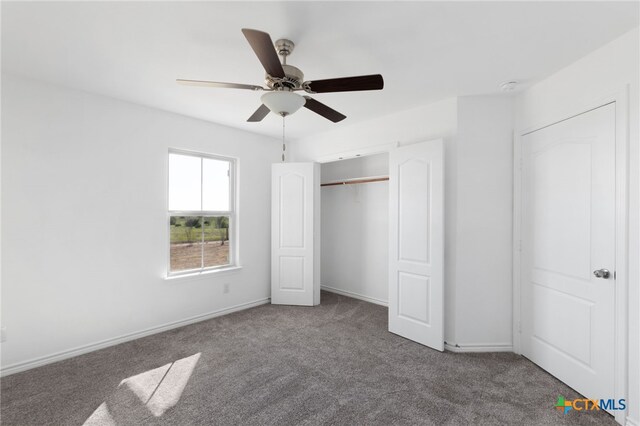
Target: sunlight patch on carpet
point(100, 417)
point(158, 389)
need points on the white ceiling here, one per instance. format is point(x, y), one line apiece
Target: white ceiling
point(425, 51)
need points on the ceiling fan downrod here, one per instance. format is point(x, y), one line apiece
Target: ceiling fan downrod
point(285, 48)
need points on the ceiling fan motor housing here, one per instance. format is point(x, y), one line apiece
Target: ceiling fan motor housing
point(293, 79)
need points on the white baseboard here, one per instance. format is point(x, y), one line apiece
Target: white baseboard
point(70, 353)
point(631, 422)
point(479, 347)
point(355, 295)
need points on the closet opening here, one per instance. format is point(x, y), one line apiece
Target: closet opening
point(355, 227)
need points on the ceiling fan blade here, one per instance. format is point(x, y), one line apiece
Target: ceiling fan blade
point(217, 84)
point(260, 113)
point(323, 110)
point(263, 47)
point(346, 84)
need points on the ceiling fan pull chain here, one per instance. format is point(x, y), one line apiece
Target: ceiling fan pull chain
point(284, 146)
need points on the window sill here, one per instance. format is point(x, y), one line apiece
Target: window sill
point(204, 274)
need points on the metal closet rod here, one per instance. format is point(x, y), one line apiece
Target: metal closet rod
point(356, 181)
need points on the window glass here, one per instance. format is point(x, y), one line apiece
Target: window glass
point(216, 241)
point(186, 243)
point(201, 212)
point(215, 185)
point(184, 182)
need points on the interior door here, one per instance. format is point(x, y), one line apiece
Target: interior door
point(295, 234)
point(568, 250)
point(416, 243)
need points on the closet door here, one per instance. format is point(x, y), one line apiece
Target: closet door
point(295, 234)
point(416, 243)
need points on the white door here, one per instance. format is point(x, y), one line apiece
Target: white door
point(295, 234)
point(416, 243)
point(568, 232)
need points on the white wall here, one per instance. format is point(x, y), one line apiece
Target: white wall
point(433, 121)
point(576, 88)
point(355, 229)
point(84, 186)
point(484, 209)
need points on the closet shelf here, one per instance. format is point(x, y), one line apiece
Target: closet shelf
point(354, 181)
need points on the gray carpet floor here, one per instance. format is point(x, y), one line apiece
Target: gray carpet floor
point(279, 365)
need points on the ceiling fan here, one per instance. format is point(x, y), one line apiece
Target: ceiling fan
point(282, 80)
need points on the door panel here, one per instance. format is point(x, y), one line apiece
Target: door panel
point(292, 273)
point(568, 231)
point(295, 219)
point(292, 212)
point(413, 298)
point(561, 199)
point(575, 314)
point(416, 243)
point(413, 176)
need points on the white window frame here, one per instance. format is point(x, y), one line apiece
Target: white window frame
point(232, 214)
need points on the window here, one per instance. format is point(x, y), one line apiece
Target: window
point(201, 212)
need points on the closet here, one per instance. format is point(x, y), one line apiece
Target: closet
point(355, 227)
point(370, 227)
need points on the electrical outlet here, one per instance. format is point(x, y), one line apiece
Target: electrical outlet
point(226, 288)
point(3, 334)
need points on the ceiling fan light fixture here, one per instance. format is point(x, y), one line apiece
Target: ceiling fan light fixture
point(283, 102)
